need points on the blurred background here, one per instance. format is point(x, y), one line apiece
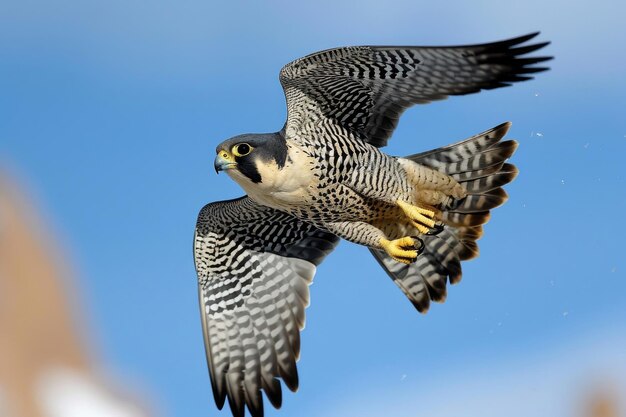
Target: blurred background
point(109, 116)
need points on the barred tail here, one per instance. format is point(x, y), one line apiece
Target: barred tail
point(477, 163)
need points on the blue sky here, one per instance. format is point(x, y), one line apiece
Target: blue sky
point(110, 112)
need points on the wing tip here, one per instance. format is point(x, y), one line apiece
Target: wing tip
point(516, 40)
point(511, 52)
point(290, 378)
point(219, 397)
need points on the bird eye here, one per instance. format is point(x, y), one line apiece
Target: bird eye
point(242, 149)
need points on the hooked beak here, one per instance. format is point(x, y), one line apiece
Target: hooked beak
point(222, 163)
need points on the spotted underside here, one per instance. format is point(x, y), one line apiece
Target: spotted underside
point(322, 178)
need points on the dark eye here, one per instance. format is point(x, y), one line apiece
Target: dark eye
point(242, 149)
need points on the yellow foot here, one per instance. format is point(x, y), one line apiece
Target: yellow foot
point(403, 250)
point(422, 219)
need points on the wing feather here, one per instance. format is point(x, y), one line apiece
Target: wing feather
point(254, 266)
point(367, 88)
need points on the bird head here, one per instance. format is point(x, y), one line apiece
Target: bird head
point(243, 155)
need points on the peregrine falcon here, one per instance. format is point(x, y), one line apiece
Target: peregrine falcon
point(322, 177)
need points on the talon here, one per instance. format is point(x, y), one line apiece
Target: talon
point(404, 249)
point(435, 230)
point(422, 246)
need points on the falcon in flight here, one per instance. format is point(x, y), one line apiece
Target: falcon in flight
point(323, 178)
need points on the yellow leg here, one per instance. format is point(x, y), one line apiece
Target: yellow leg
point(422, 219)
point(403, 250)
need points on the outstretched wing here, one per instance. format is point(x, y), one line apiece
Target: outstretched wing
point(366, 88)
point(254, 265)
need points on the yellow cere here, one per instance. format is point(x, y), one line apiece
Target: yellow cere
point(225, 155)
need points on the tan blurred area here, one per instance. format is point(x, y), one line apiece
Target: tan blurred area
point(603, 404)
point(45, 366)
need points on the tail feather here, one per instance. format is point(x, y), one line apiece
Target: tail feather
point(441, 157)
point(426, 279)
point(477, 163)
point(468, 249)
point(491, 182)
point(477, 173)
point(477, 203)
point(459, 220)
point(470, 233)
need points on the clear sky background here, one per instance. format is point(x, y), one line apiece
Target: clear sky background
point(111, 111)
